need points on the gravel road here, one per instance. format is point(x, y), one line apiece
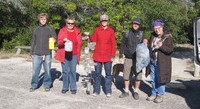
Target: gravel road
point(15, 76)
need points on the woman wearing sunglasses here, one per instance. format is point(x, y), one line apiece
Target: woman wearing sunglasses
point(68, 53)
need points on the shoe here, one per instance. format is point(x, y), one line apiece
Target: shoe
point(158, 99)
point(108, 94)
point(47, 89)
point(32, 89)
point(73, 91)
point(151, 98)
point(95, 94)
point(135, 95)
point(123, 95)
point(64, 91)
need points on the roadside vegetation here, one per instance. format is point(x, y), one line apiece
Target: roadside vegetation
point(19, 17)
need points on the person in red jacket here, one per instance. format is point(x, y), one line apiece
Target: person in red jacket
point(69, 34)
point(104, 37)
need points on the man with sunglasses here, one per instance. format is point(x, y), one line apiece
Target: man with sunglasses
point(104, 37)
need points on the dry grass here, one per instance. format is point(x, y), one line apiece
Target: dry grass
point(9, 54)
point(6, 54)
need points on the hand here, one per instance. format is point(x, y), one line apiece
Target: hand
point(112, 58)
point(120, 60)
point(145, 41)
point(65, 39)
point(31, 57)
point(160, 44)
point(86, 33)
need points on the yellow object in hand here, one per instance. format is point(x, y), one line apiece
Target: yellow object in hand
point(51, 43)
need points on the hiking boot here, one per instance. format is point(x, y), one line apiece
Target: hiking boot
point(64, 91)
point(123, 95)
point(151, 98)
point(108, 94)
point(158, 99)
point(135, 95)
point(32, 89)
point(73, 92)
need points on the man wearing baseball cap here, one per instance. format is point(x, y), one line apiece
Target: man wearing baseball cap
point(129, 42)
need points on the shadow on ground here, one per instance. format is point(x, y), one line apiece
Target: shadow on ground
point(119, 84)
point(191, 94)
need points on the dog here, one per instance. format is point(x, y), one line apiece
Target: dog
point(117, 68)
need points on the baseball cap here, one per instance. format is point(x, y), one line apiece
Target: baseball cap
point(103, 17)
point(136, 21)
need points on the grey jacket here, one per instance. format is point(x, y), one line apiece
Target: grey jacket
point(40, 40)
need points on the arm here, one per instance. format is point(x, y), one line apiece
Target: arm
point(33, 43)
point(53, 33)
point(121, 49)
point(167, 46)
point(79, 38)
point(93, 38)
point(113, 41)
point(60, 40)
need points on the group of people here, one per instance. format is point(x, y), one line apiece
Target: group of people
point(160, 46)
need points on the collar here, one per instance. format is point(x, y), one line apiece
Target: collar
point(102, 28)
point(42, 25)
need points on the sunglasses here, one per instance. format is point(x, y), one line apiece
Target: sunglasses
point(104, 21)
point(70, 23)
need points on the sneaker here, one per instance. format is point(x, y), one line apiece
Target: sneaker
point(108, 94)
point(135, 95)
point(123, 95)
point(151, 98)
point(158, 99)
point(73, 92)
point(32, 89)
point(95, 94)
point(47, 89)
point(64, 91)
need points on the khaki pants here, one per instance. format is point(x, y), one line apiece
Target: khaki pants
point(129, 70)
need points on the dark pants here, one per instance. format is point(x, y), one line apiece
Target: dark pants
point(98, 76)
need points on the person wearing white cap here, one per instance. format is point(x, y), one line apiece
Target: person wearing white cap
point(103, 55)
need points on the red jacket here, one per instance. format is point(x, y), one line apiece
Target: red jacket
point(60, 53)
point(105, 44)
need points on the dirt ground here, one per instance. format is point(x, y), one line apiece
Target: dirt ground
point(16, 72)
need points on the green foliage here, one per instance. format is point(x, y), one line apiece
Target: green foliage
point(70, 7)
point(18, 21)
point(23, 38)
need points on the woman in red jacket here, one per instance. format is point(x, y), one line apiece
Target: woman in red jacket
point(104, 53)
point(69, 34)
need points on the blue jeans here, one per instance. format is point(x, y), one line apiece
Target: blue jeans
point(98, 77)
point(37, 62)
point(157, 88)
point(69, 73)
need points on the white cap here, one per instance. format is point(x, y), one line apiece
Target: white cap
point(103, 17)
